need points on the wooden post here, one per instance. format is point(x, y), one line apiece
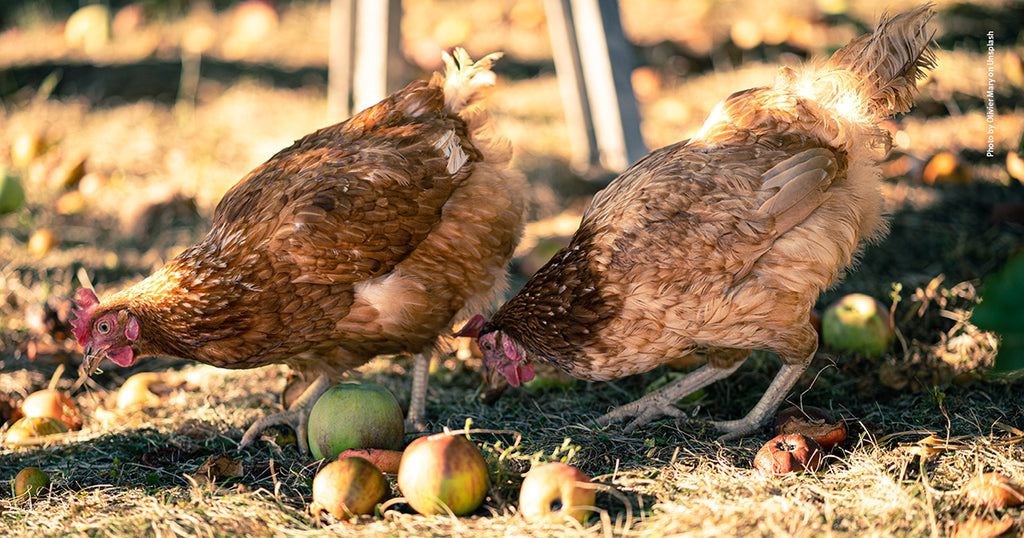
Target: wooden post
point(364, 61)
point(339, 64)
point(594, 63)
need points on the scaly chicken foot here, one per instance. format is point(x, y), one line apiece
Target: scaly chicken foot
point(296, 417)
point(418, 395)
point(662, 401)
point(769, 402)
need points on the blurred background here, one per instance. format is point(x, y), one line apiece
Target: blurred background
point(123, 123)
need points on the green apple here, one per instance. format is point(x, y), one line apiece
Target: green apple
point(27, 430)
point(348, 487)
point(355, 416)
point(443, 472)
point(29, 482)
point(11, 193)
point(857, 323)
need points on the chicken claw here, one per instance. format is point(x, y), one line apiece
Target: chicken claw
point(662, 401)
point(296, 417)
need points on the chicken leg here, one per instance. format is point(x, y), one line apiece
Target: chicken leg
point(769, 402)
point(418, 395)
point(662, 401)
point(296, 417)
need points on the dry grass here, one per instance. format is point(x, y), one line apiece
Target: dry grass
point(128, 474)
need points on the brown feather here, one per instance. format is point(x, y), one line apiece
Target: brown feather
point(723, 242)
point(363, 238)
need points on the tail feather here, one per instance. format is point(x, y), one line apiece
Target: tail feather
point(465, 81)
point(887, 64)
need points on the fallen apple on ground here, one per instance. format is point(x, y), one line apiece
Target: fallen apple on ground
point(29, 482)
point(385, 460)
point(348, 487)
point(27, 429)
point(555, 489)
point(135, 394)
point(12, 196)
point(54, 404)
point(788, 453)
point(355, 416)
point(443, 472)
point(814, 422)
point(857, 323)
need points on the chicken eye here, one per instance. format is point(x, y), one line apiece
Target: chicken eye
point(103, 327)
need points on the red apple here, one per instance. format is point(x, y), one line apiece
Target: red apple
point(443, 472)
point(555, 488)
point(54, 404)
point(813, 422)
point(857, 323)
point(385, 460)
point(355, 416)
point(348, 487)
point(788, 453)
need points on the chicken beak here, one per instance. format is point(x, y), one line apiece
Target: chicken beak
point(494, 378)
point(91, 360)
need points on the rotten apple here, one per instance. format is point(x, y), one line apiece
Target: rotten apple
point(788, 453)
point(555, 489)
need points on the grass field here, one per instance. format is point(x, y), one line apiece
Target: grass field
point(159, 150)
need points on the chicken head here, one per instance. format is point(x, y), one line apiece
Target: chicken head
point(109, 334)
point(501, 355)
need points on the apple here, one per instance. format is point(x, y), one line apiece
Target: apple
point(788, 453)
point(813, 422)
point(554, 489)
point(385, 460)
point(42, 241)
point(443, 472)
point(857, 323)
point(28, 428)
point(12, 196)
point(348, 487)
point(26, 147)
point(55, 404)
point(355, 416)
point(134, 393)
point(29, 482)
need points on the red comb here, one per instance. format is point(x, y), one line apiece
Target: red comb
point(472, 327)
point(85, 304)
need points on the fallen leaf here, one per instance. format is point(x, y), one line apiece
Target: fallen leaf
point(931, 445)
point(979, 527)
point(197, 430)
point(217, 468)
point(994, 489)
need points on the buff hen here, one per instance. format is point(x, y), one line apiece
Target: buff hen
point(363, 238)
point(722, 243)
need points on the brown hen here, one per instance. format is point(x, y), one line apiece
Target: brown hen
point(364, 238)
point(721, 243)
